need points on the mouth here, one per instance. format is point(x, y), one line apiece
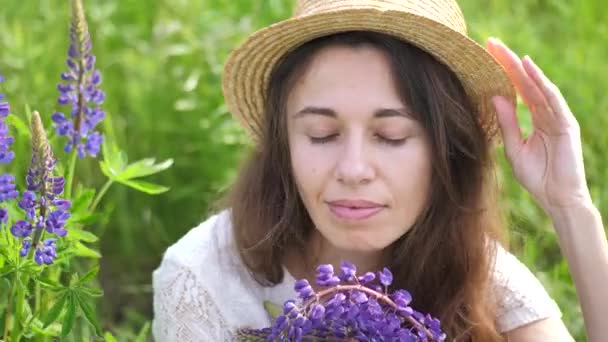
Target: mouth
point(355, 211)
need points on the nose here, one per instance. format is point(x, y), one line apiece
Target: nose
point(354, 165)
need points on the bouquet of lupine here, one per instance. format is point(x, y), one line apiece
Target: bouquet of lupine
point(46, 261)
point(348, 307)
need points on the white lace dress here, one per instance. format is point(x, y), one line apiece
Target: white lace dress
point(202, 292)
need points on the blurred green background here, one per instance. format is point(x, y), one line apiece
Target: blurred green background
point(162, 63)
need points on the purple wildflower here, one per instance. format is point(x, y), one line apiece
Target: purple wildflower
point(21, 229)
point(3, 215)
point(25, 247)
point(46, 252)
point(8, 190)
point(44, 209)
point(80, 91)
point(349, 310)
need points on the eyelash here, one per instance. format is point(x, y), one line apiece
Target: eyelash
point(329, 138)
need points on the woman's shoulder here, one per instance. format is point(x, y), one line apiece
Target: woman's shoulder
point(521, 297)
point(203, 241)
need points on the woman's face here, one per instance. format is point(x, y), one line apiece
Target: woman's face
point(361, 162)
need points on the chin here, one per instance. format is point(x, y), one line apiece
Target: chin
point(362, 243)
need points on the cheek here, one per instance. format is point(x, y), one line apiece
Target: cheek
point(410, 181)
point(308, 169)
point(311, 163)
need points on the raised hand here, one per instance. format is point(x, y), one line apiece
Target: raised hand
point(548, 162)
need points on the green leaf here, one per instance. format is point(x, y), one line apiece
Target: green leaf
point(70, 316)
point(82, 202)
point(143, 333)
point(147, 187)
point(109, 337)
point(89, 276)
point(84, 251)
point(22, 128)
point(53, 313)
point(108, 170)
point(113, 157)
point(91, 292)
point(144, 167)
point(89, 314)
point(83, 235)
point(85, 219)
point(49, 283)
point(272, 309)
point(36, 328)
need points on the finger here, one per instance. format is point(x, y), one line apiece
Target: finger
point(532, 96)
point(509, 126)
point(551, 92)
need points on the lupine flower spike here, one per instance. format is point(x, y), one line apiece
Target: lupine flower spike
point(45, 211)
point(7, 181)
point(348, 308)
point(80, 91)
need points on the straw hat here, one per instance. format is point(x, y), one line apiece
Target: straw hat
point(436, 26)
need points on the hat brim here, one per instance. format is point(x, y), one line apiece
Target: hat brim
point(248, 68)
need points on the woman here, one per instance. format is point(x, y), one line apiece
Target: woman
point(374, 124)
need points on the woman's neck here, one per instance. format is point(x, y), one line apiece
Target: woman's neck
point(320, 251)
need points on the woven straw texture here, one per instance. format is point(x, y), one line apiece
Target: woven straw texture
point(436, 26)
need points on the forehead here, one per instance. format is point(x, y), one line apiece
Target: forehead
point(339, 75)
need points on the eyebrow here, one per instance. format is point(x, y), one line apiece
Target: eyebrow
point(379, 113)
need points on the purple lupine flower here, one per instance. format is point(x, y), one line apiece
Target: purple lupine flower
point(80, 91)
point(3, 215)
point(349, 310)
point(45, 211)
point(8, 190)
point(25, 247)
point(21, 229)
point(46, 252)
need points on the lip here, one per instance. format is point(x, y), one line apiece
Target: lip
point(354, 209)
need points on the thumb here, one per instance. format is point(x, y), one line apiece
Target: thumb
point(509, 126)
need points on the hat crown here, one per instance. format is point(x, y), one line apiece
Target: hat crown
point(445, 12)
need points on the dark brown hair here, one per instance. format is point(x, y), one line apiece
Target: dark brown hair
point(445, 259)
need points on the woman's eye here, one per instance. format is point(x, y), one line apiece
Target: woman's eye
point(322, 140)
point(392, 142)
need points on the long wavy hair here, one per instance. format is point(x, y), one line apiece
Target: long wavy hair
point(445, 259)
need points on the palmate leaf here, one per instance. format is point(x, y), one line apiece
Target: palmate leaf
point(115, 167)
point(50, 284)
point(89, 312)
point(56, 309)
point(70, 315)
point(83, 235)
point(144, 167)
point(88, 276)
point(82, 201)
point(146, 187)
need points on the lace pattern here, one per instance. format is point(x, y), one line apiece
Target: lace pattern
point(522, 299)
point(183, 309)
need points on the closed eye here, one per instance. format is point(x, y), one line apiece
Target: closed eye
point(323, 140)
point(391, 142)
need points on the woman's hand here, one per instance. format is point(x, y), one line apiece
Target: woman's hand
point(549, 161)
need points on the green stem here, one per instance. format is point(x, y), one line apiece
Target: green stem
point(37, 299)
point(9, 307)
point(100, 194)
point(70, 178)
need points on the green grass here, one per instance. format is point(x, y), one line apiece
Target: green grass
point(162, 61)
